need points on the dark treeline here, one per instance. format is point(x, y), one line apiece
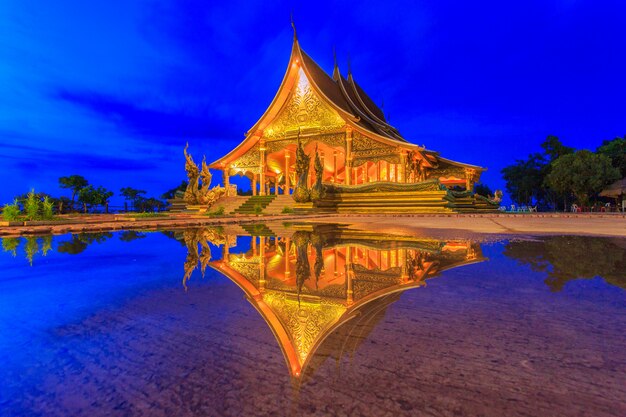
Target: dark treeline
point(560, 176)
point(84, 197)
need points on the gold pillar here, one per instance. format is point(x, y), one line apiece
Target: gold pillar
point(378, 168)
point(323, 164)
point(262, 163)
point(401, 177)
point(348, 168)
point(348, 272)
point(287, 184)
point(225, 250)
point(469, 179)
point(262, 262)
point(334, 166)
point(253, 245)
point(226, 178)
point(287, 251)
point(254, 184)
point(276, 185)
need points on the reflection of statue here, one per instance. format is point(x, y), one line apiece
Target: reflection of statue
point(302, 194)
point(303, 269)
point(193, 175)
point(196, 193)
point(317, 191)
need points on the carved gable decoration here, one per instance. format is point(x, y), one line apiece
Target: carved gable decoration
point(366, 149)
point(304, 110)
point(248, 160)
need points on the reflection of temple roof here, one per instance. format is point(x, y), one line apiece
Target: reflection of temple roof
point(302, 317)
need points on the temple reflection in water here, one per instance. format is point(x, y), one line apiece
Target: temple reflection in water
point(322, 289)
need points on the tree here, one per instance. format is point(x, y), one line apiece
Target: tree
point(131, 195)
point(483, 189)
point(616, 150)
point(582, 174)
point(524, 179)
point(74, 183)
point(168, 195)
point(91, 196)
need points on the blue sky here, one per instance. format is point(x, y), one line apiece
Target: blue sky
point(113, 90)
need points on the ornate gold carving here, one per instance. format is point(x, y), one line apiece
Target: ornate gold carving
point(304, 320)
point(304, 110)
point(248, 160)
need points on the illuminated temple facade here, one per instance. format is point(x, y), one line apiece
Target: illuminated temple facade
point(364, 163)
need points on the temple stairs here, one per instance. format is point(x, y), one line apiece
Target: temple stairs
point(425, 197)
point(248, 207)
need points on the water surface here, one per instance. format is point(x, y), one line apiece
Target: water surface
point(302, 320)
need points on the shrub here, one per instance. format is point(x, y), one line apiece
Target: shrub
point(46, 209)
point(219, 211)
point(31, 206)
point(287, 210)
point(11, 212)
point(258, 209)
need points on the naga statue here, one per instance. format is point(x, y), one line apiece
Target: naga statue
point(193, 175)
point(317, 191)
point(195, 192)
point(302, 194)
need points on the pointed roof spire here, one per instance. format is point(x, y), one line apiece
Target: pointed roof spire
point(336, 73)
point(293, 25)
point(349, 65)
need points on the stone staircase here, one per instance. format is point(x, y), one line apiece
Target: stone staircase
point(248, 206)
point(230, 204)
point(279, 203)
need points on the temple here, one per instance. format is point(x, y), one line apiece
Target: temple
point(361, 162)
point(322, 288)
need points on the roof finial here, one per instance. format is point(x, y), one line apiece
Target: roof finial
point(293, 25)
point(336, 74)
point(349, 65)
point(335, 56)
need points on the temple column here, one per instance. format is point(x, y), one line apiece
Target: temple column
point(226, 178)
point(401, 174)
point(276, 185)
point(287, 181)
point(225, 250)
point(263, 165)
point(287, 265)
point(334, 166)
point(378, 168)
point(323, 165)
point(402, 264)
point(253, 245)
point(254, 184)
point(469, 179)
point(348, 169)
point(348, 272)
point(262, 262)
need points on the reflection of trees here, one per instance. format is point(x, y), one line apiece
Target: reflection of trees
point(33, 245)
point(130, 235)
point(79, 242)
point(566, 258)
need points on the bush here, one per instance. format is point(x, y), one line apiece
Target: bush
point(46, 209)
point(287, 210)
point(258, 209)
point(11, 212)
point(219, 211)
point(147, 215)
point(31, 206)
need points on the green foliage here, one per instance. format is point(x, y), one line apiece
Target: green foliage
point(567, 258)
point(149, 204)
point(11, 212)
point(92, 196)
point(616, 150)
point(258, 209)
point(148, 215)
point(74, 183)
point(482, 189)
point(31, 248)
point(46, 209)
point(219, 211)
point(177, 190)
point(10, 244)
point(31, 206)
point(524, 179)
point(582, 173)
point(287, 210)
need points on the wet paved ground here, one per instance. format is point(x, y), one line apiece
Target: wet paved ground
point(112, 332)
